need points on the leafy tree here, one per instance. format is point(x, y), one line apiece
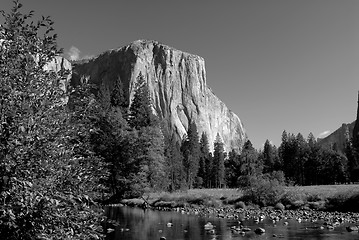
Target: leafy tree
point(218, 162)
point(191, 150)
point(48, 185)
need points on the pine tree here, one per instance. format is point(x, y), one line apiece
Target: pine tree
point(250, 164)
point(232, 166)
point(218, 162)
point(269, 157)
point(204, 160)
point(150, 142)
point(117, 96)
point(174, 164)
point(191, 152)
point(140, 112)
point(353, 166)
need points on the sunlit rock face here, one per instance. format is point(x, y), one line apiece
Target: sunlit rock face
point(339, 137)
point(58, 64)
point(177, 84)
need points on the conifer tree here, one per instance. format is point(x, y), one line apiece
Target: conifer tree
point(150, 142)
point(204, 160)
point(269, 157)
point(191, 152)
point(218, 162)
point(232, 166)
point(174, 164)
point(140, 112)
point(250, 164)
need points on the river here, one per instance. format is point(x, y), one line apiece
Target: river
point(138, 224)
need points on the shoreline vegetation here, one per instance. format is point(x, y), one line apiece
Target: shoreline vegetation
point(323, 198)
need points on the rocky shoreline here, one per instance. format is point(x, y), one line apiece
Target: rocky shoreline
point(324, 219)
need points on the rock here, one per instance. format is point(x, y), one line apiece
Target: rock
point(352, 228)
point(58, 64)
point(339, 136)
point(260, 230)
point(208, 226)
point(246, 229)
point(177, 84)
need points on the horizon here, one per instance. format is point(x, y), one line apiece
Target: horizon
point(279, 65)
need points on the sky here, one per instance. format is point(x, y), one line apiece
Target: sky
point(278, 64)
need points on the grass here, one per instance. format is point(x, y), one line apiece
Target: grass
point(322, 197)
point(325, 191)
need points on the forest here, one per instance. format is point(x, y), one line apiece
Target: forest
point(65, 153)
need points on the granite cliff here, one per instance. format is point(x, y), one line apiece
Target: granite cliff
point(177, 84)
point(339, 136)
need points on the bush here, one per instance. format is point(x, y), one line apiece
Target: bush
point(240, 204)
point(279, 206)
point(291, 198)
point(262, 190)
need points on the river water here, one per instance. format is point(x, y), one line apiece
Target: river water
point(138, 224)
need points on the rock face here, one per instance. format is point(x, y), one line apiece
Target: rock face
point(177, 84)
point(339, 137)
point(59, 64)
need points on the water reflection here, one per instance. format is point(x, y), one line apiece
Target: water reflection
point(138, 224)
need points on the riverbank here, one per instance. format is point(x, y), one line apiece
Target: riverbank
point(341, 198)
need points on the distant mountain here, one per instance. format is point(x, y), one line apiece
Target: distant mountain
point(339, 137)
point(177, 85)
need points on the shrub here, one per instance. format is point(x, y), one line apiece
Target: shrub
point(240, 204)
point(290, 197)
point(279, 206)
point(262, 190)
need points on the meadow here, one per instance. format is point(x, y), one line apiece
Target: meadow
point(321, 197)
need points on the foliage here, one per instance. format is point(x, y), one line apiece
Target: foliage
point(218, 162)
point(191, 152)
point(174, 164)
point(262, 190)
point(232, 168)
point(270, 157)
point(205, 161)
point(49, 174)
point(140, 112)
point(250, 163)
point(306, 162)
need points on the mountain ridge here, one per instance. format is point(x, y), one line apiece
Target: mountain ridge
point(177, 83)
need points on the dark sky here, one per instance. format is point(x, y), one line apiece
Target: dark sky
point(278, 64)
